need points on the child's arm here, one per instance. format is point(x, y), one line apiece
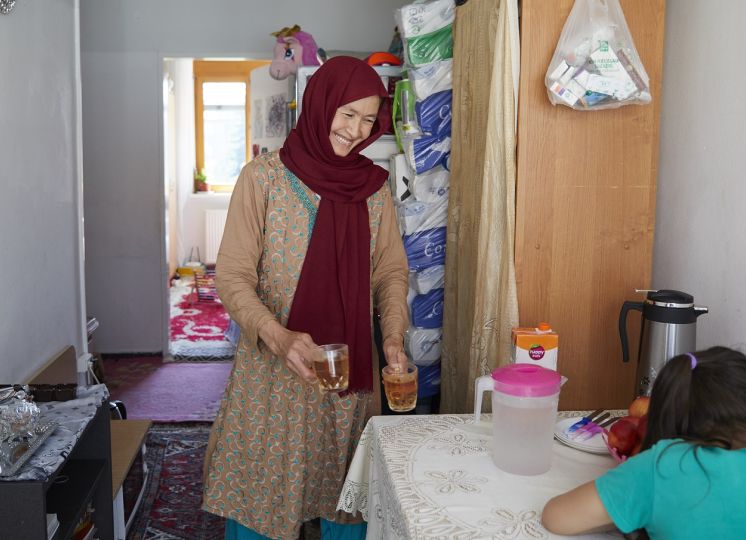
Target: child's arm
point(578, 511)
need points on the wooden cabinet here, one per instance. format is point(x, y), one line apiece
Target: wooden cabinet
point(84, 476)
point(585, 207)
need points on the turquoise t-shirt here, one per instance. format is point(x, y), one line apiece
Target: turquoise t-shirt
point(665, 491)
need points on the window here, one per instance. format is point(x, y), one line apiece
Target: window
point(222, 126)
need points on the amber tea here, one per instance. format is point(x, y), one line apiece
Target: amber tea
point(401, 387)
point(331, 364)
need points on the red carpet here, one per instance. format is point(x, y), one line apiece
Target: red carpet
point(167, 392)
point(197, 328)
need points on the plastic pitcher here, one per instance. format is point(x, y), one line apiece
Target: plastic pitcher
point(524, 412)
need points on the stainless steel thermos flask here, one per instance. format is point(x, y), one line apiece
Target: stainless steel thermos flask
point(669, 328)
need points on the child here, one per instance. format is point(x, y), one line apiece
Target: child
point(690, 479)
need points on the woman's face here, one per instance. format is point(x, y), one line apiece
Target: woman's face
point(352, 124)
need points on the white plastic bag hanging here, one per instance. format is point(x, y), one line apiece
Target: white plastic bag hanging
point(596, 65)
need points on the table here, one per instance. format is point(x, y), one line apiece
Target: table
point(432, 477)
point(69, 470)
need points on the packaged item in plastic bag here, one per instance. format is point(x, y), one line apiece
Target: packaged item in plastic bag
point(425, 248)
point(431, 78)
point(434, 113)
point(427, 309)
point(430, 186)
point(423, 345)
point(428, 380)
point(426, 48)
point(427, 151)
point(403, 113)
point(425, 280)
point(423, 17)
point(596, 65)
point(401, 177)
point(415, 216)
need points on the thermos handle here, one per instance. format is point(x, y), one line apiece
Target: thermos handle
point(481, 385)
point(623, 325)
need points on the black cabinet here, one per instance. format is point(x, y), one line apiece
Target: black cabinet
point(85, 476)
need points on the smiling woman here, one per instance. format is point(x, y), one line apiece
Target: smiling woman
point(310, 245)
point(353, 123)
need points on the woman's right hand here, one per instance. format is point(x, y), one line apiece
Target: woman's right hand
point(296, 348)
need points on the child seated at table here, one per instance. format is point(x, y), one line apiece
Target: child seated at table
point(690, 479)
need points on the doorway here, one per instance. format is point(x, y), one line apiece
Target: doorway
point(214, 121)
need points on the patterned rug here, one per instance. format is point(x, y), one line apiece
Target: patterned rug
point(170, 507)
point(171, 504)
point(166, 392)
point(197, 328)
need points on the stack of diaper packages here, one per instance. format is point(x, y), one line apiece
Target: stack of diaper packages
point(420, 177)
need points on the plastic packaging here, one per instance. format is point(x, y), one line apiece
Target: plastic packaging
point(431, 78)
point(421, 17)
point(403, 113)
point(423, 345)
point(434, 113)
point(400, 178)
point(430, 186)
point(427, 48)
point(426, 248)
point(415, 216)
point(427, 152)
point(424, 281)
point(427, 309)
point(596, 65)
point(428, 380)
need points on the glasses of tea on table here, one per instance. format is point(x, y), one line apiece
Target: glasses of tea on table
point(400, 384)
point(331, 364)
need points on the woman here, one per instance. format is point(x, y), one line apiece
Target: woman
point(311, 242)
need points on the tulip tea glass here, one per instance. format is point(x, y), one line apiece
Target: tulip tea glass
point(331, 364)
point(400, 385)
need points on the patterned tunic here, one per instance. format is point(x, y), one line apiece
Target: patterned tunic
point(279, 448)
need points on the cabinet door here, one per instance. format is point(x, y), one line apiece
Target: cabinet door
point(585, 207)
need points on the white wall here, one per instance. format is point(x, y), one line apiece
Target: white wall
point(123, 45)
point(40, 308)
point(700, 237)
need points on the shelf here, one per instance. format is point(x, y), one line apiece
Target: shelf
point(69, 500)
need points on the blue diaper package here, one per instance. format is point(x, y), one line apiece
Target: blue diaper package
point(428, 380)
point(425, 248)
point(428, 151)
point(434, 113)
point(427, 309)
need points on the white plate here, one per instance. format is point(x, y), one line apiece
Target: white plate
point(594, 445)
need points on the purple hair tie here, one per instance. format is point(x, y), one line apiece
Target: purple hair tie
point(694, 359)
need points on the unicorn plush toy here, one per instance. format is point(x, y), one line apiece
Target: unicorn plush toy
point(293, 48)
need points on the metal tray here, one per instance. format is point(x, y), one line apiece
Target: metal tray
point(22, 448)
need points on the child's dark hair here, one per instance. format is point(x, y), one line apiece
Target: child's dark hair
point(702, 401)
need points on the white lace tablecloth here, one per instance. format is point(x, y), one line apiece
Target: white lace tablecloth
point(432, 477)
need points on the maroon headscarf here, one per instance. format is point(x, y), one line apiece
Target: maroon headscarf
point(332, 301)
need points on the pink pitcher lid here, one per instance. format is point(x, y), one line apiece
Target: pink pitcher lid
point(526, 380)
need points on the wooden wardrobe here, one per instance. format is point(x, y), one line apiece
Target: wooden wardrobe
point(585, 208)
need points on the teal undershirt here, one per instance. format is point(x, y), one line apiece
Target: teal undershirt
point(329, 531)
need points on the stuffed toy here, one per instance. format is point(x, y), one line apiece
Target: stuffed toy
point(293, 48)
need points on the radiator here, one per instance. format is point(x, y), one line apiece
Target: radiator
point(214, 225)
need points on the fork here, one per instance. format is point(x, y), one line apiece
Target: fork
point(583, 421)
point(592, 428)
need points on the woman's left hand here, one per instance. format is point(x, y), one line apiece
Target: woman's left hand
point(393, 350)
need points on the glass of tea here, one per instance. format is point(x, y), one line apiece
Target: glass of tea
point(400, 384)
point(331, 364)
